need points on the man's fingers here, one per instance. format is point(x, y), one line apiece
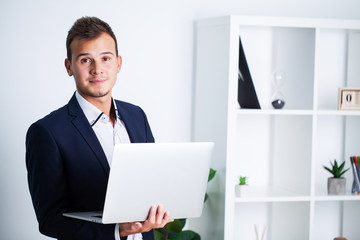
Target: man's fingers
point(156, 218)
point(166, 219)
point(152, 214)
point(159, 215)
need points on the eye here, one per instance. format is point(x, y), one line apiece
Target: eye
point(85, 60)
point(106, 58)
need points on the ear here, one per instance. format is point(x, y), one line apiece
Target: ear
point(68, 67)
point(119, 60)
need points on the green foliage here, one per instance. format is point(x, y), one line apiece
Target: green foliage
point(336, 170)
point(211, 174)
point(186, 235)
point(174, 230)
point(242, 180)
point(158, 234)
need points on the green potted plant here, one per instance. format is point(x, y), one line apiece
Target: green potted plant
point(336, 184)
point(241, 188)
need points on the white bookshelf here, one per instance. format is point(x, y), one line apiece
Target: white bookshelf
point(281, 151)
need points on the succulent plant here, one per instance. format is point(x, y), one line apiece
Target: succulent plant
point(336, 170)
point(242, 180)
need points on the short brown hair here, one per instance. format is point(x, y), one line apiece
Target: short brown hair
point(88, 28)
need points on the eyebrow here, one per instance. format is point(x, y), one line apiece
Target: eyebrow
point(88, 54)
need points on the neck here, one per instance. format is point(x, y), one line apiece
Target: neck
point(102, 103)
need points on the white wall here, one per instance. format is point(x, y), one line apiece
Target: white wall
point(156, 41)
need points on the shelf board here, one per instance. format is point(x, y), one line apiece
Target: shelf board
point(271, 194)
point(273, 112)
point(275, 194)
point(323, 196)
point(293, 22)
point(293, 112)
point(339, 112)
point(337, 198)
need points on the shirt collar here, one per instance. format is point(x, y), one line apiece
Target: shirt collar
point(91, 112)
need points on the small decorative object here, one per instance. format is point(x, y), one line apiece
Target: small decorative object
point(356, 174)
point(339, 238)
point(257, 232)
point(242, 189)
point(349, 99)
point(278, 100)
point(336, 185)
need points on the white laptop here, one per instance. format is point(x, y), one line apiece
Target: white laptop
point(145, 174)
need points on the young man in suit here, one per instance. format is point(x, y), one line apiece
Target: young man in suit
point(69, 152)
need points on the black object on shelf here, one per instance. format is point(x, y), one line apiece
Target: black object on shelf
point(247, 97)
point(278, 103)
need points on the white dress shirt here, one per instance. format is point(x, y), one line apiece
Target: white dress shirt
point(108, 136)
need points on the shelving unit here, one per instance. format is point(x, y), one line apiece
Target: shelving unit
point(281, 151)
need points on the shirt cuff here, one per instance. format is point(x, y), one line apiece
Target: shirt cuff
point(137, 236)
point(117, 233)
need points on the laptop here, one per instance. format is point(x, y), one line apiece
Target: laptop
point(145, 174)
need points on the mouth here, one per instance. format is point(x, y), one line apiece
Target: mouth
point(97, 81)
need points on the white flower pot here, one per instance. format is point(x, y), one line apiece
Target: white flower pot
point(241, 190)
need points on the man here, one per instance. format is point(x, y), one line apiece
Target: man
point(68, 152)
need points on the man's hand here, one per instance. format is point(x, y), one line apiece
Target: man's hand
point(156, 219)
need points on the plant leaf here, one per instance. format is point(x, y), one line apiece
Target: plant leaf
point(328, 169)
point(158, 235)
point(187, 235)
point(344, 172)
point(183, 222)
point(212, 173)
point(206, 197)
point(341, 167)
point(175, 226)
point(336, 165)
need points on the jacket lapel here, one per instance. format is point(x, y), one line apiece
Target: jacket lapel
point(129, 122)
point(82, 125)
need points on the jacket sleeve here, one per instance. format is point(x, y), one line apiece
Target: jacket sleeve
point(49, 189)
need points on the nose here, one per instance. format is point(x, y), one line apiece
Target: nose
point(96, 68)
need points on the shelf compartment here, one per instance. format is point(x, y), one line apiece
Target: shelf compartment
point(289, 220)
point(281, 50)
point(342, 218)
point(278, 155)
point(338, 55)
point(342, 134)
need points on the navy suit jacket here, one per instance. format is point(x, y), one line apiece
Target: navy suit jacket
point(68, 169)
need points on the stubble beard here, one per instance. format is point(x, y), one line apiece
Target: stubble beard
point(98, 94)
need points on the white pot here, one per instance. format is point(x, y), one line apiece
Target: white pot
point(241, 190)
